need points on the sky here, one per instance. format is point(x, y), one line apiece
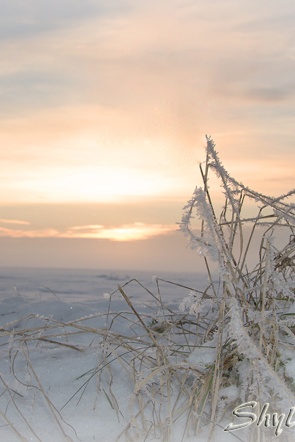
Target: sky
point(103, 114)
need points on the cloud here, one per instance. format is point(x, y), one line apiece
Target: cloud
point(277, 86)
point(271, 93)
point(32, 87)
point(127, 232)
point(14, 233)
point(14, 221)
point(32, 17)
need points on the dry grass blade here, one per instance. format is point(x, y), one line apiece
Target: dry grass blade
point(52, 409)
point(19, 435)
point(17, 408)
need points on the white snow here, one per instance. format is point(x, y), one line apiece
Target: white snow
point(79, 299)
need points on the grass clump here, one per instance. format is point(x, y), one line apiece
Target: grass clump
point(255, 318)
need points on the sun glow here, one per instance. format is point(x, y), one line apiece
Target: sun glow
point(125, 232)
point(105, 183)
point(89, 184)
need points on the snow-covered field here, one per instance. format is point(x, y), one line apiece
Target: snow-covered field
point(47, 392)
point(76, 296)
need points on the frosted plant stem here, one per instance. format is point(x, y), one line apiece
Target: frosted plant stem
point(67, 438)
point(22, 438)
point(9, 392)
point(216, 377)
point(266, 276)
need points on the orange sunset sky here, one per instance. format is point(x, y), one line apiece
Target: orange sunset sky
point(103, 114)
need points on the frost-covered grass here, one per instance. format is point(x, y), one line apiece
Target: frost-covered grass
point(148, 371)
point(254, 301)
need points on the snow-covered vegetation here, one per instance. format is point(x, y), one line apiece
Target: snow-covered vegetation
point(252, 306)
